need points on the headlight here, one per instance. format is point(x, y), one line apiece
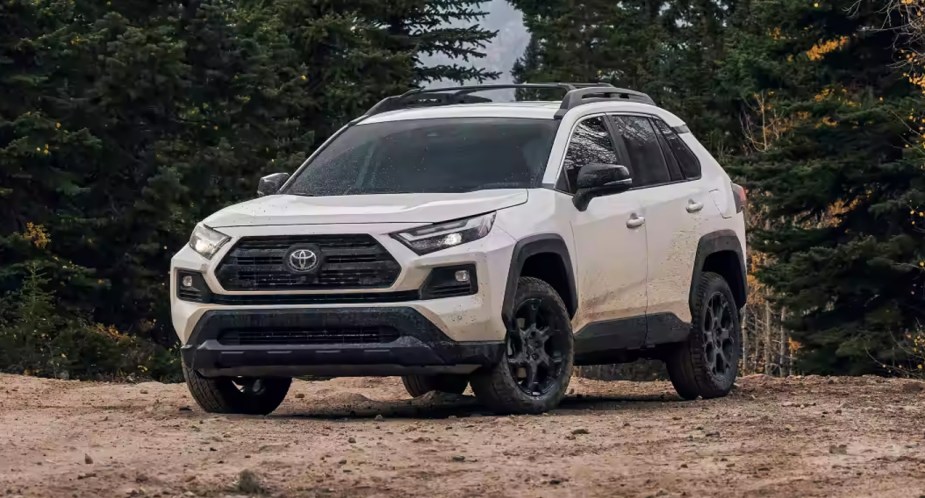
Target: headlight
point(206, 241)
point(432, 238)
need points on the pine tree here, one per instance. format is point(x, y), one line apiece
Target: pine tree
point(839, 176)
point(669, 51)
point(124, 123)
point(447, 29)
point(38, 189)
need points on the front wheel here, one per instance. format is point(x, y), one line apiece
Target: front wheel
point(237, 395)
point(534, 373)
point(707, 363)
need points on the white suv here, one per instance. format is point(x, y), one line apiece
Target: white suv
point(453, 240)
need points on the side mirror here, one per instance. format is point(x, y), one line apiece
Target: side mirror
point(271, 184)
point(595, 180)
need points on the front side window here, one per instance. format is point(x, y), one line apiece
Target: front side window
point(430, 156)
point(648, 164)
point(590, 143)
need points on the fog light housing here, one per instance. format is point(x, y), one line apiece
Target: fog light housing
point(192, 287)
point(450, 281)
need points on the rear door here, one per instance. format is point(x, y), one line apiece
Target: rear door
point(674, 206)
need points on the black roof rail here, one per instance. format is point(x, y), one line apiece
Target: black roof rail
point(577, 94)
point(587, 95)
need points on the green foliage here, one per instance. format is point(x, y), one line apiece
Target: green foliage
point(124, 123)
point(840, 178)
point(36, 339)
point(428, 27)
point(670, 51)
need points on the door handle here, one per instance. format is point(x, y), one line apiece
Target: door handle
point(694, 206)
point(635, 221)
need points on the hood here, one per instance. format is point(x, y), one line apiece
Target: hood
point(386, 208)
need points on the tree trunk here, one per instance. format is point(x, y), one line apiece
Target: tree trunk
point(783, 346)
point(767, 338)
point(745, 340)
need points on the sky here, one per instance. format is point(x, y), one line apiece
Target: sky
point(511, 41)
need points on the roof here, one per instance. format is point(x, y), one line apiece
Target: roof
point(521, 110)
point(528, 110)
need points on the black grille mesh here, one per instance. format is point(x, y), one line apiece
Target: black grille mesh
point(348, 262)
point(351, 335)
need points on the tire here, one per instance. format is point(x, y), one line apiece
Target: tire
point(540, 341)
point(419, 385)
point(707, 363)
point(245, 396)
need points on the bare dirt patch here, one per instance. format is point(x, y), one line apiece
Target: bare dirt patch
point(808, 436)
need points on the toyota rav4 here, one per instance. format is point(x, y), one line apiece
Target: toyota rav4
point(454, 241)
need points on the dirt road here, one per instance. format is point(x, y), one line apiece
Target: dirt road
point(363, 437)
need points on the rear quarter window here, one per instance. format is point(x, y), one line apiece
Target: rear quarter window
point(687, 160)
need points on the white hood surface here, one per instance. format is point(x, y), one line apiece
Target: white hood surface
point(385, 208)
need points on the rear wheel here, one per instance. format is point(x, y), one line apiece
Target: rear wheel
point(707, 363)
point(534, 373)
point(419, 385)
point(238, 395)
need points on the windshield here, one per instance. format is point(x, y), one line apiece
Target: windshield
point(430, 155)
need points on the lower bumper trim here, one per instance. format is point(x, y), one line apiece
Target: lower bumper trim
point(421, 346)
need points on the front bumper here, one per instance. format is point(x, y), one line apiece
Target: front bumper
point(215, 347)
point(444, 333)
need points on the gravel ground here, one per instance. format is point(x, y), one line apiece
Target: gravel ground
point(809, 436)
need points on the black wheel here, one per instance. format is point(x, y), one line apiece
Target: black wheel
point(537, 366)
point(240, 395)
point(419, 385)
point(707, 363)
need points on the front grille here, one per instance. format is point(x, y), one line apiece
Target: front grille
point(346, 262)
point(289, 337)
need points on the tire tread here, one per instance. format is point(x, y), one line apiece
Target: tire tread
point(492, 387)
point(419, 385)
point(687, 363)
point(218, 395)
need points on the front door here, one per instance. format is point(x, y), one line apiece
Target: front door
point(611, 240)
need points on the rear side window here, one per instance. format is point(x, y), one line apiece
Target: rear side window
point(648, 163)
point(687, 161)
point(590, 143)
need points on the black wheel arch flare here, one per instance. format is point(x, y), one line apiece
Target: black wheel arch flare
point(716, 242)
point(531, 246)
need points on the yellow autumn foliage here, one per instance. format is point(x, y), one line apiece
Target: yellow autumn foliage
point(821, 49)
point(108, 331)
point(37, 234)
point(916, 346)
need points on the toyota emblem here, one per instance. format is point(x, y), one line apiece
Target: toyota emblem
point(303, 260)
